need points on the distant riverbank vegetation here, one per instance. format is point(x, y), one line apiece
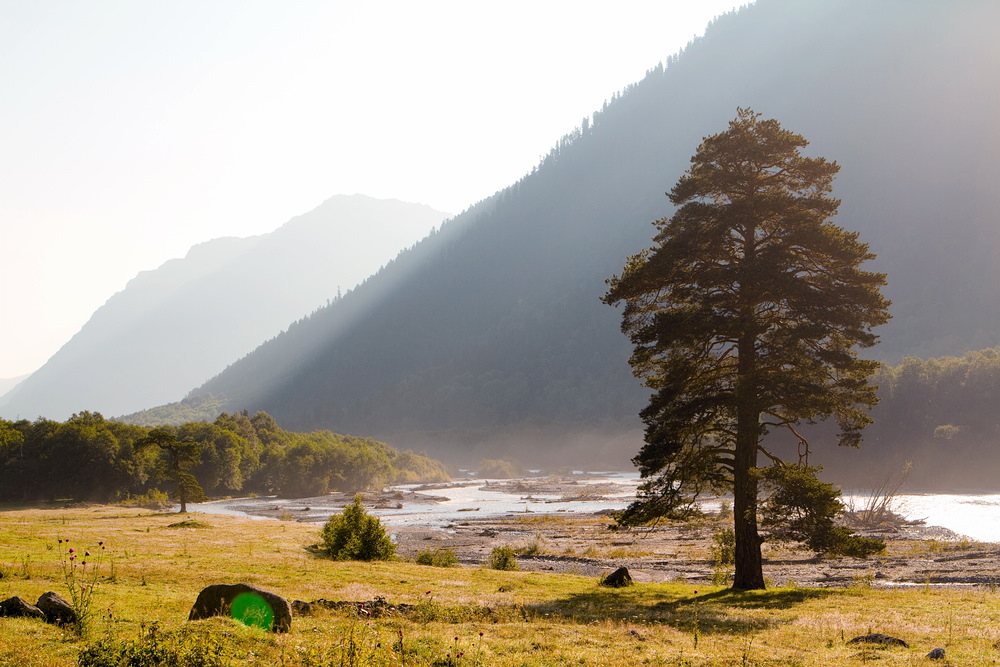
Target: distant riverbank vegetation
point(90, 458)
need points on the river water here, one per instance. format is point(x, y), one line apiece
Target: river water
point(976, 516)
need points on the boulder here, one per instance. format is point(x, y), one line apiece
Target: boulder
point(879, 638)
point(56, 609)
point(18, 607)
point(248, 604)
point(618, 579)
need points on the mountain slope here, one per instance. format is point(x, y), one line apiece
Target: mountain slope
point(495, 322)
point(173, 328)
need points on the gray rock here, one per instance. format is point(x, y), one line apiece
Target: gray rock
point(252, 605)
point(618, 579)
point(879, 638)
point(17, 607)
point(936, 654)
point(56, 609)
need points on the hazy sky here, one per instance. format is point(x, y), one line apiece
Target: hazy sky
point(132, 129)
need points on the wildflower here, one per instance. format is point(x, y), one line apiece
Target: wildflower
point(71, 551)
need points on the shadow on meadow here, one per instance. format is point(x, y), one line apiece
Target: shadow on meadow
point(725, 611)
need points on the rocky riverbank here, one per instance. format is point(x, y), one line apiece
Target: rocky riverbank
point(584, 544)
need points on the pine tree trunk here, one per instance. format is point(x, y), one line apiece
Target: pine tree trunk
point(749, 565)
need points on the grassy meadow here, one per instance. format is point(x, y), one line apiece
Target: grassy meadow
point(143, 582)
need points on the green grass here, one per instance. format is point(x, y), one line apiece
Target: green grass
point(151, 574)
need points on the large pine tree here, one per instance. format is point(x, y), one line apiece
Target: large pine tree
point(745, 316)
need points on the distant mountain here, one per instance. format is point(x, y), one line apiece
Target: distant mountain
point(489, 336)
point(175, 327)
point(6, 384)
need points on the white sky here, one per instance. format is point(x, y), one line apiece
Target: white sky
point(131, 130)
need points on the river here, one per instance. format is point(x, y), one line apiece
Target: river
point(976, 516)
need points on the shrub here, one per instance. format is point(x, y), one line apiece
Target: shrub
point(182, 648)
point(497, 469)
point(153, 499)
point(437, 558)
point(503, 558)
point(355, 535)
point(724, 547)
point(800, 507)
point(843, 542)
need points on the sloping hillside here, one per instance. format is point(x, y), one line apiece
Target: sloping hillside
point(173, 328)
point(495, 322)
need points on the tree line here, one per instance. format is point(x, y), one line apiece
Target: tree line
point(90, 458)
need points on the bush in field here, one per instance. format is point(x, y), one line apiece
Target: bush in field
point(724, 546)
point(355, 535)
point(153, 648)
point(503, 558)
point(799, 507)
point(437, 558)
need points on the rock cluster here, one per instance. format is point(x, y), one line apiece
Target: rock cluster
point(51, 607)
point(376, 608)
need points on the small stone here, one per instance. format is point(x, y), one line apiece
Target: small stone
point(879, 638)
point(301, 608)
point(618, 579)
point(936, 654)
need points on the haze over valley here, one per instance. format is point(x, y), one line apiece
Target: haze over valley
point(488, 336)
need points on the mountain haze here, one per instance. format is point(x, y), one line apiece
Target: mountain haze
point(494, 324)
point(175, 327)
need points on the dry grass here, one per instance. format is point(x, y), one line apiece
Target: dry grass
point(487, 616)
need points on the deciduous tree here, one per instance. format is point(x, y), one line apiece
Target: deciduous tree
point(181, 456)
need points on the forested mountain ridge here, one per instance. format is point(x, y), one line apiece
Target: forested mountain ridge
point(495, 323)
point(176, 326)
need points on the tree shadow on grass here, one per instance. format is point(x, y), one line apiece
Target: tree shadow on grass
point(725, 611)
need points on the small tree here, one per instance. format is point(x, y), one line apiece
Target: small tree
point(181, 456)
point(355, 535)
point(797, 506)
